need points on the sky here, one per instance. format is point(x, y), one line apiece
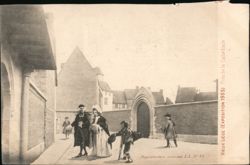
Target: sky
point(156, 46)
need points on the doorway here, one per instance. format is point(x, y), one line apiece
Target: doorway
point(143, 120)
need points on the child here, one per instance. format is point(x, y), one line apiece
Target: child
point(126, 139)
point(66, 127)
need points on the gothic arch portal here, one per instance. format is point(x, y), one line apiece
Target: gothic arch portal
point(143, 96)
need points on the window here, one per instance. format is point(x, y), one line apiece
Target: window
point(116, 105)
point(123, 105)
point(105, 101)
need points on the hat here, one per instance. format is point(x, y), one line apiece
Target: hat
point(111, 139)
point(167, 115)
point(81, 105)
point(125, 123)
point(97, 108)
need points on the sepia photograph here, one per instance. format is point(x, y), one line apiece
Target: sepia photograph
point(124, 83)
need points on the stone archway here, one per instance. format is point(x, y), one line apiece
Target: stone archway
point(143, 98)
point(5, 113)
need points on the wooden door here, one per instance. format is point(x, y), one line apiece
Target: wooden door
point(143, 120)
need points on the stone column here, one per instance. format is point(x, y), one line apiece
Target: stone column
point(25, 114)
point(152, 123)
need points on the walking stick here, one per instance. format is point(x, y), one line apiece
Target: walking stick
point(120, 151)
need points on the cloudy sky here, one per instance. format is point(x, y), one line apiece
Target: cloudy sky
point(161, 46)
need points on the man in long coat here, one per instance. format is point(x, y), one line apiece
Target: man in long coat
point(169, 130)
point(81, 127)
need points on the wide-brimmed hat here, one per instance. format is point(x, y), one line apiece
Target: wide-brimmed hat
point(167, 115)
point(111, 139)
point(81, 105)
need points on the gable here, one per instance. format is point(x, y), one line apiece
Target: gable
point(77, 68)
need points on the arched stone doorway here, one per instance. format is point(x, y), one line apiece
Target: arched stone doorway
point(5, 113)
point(142, 113)
point(143, 120)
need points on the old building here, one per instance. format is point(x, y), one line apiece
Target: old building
point(194, 112)
point(137, 106)
point(144, 109)
point(28, 80)
point(80, 83)
point(193, 94)
point(106, 96)
point(124, 99)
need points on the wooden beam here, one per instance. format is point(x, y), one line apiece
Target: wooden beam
point(34, 49)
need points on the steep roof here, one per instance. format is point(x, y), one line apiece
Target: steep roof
point(158, 96)
point(98, 71)
point(104, 86)
point(168, 101)
point(129, 94)
point(186, 94)
point(204, 96)
point(119, 97)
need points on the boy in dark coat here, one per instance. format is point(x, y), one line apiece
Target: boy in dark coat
point(81, 127)
point(126, 139)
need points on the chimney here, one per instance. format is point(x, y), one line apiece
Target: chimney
point(161, 91)
point(137, 87)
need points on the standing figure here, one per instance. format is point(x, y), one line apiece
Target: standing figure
point(81, 128)
point(126, 140)
point(67, 127)
point(169, 131)
point(99, 134)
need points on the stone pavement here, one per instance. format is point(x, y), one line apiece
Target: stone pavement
point(55, 151)
point(144, 151)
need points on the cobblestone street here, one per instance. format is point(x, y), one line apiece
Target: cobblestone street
point(144, 151)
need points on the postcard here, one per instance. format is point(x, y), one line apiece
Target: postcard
point(125, 83)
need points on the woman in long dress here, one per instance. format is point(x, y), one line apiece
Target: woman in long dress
point(99, 135)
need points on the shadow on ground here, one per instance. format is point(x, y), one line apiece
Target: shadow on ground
point(112, 162)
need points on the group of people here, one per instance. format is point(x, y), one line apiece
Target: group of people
point(91, 130)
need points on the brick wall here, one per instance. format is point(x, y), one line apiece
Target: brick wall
point(36, 118)
point(49, 127)
point(39, 78)
point(115, 117)
point(190, 118)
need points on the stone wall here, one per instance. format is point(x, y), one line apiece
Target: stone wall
point(36, 124)
point(36, 103)
point(15, 79)
point(199, 118)
point(49, 127)
point(114, 118)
